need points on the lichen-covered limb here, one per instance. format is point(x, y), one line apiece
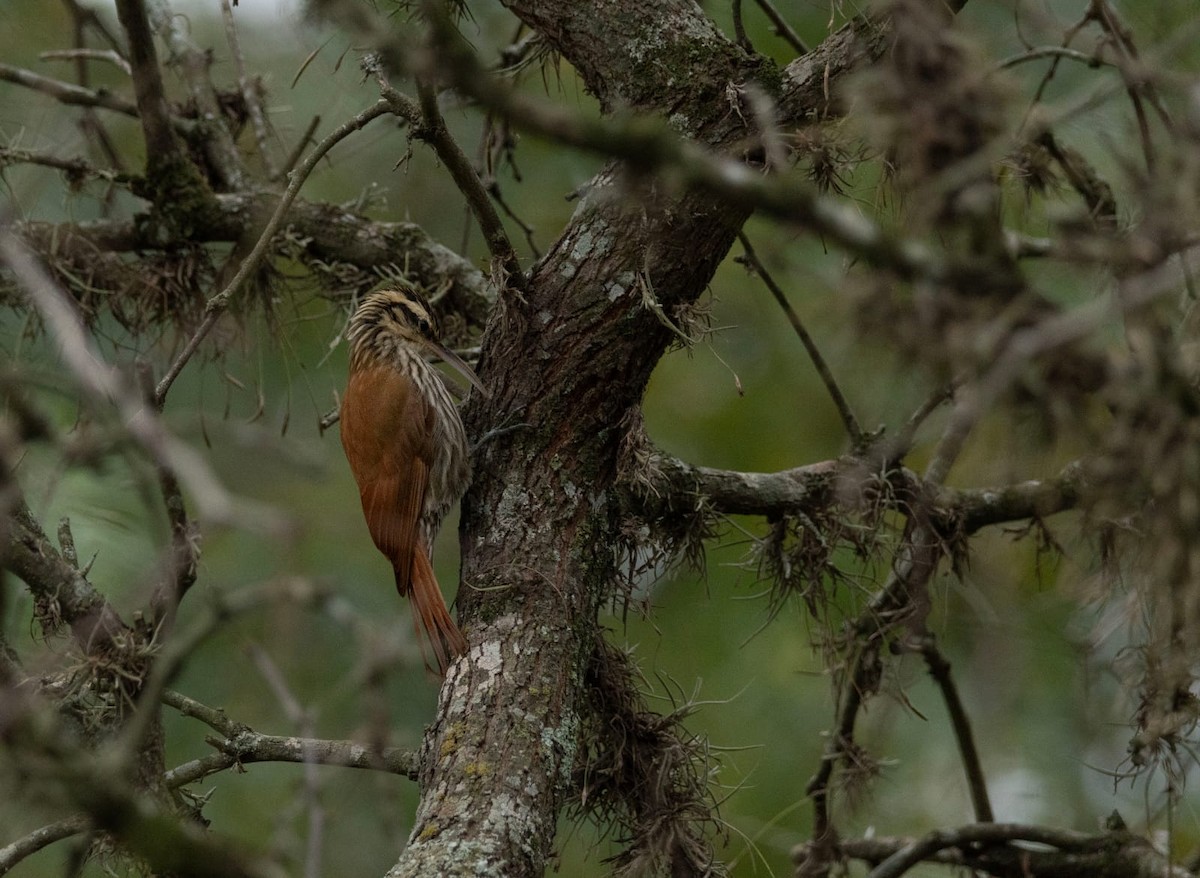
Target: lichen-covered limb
point(55, 584)
point(16, 851)
point(666, 485)
point(998, 849)
point(317, 231)
point(239, 745)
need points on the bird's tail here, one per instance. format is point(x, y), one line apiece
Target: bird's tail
point(431, 617)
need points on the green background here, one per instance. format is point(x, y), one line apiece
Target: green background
point(1034, 643)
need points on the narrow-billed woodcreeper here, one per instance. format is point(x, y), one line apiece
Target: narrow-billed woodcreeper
point(406, 447)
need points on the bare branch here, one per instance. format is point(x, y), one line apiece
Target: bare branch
point(75, 169)
point(1120, 854)
point(66, 93)
point(781, 27)
point(249, 92)
point(54, 580)
point(242, 745)
point(213, 717)
point(670, 483)
point(252, 747)
point(12, 854)
point(108, 55)
point(219, 148)
point(939, 670)
point(163, 149)
point(429, 126)
point(839, 400)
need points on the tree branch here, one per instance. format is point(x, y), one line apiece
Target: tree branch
point(1117, 854)
point(249, 92)
point(839, 400)
point(219, 148)
point(13, 853)
point(163, 149)
point(66, 93)
point(666, 483)
point(996, 849)
point(108, 55)
point(939, 670)
point(323, 233)
point(220, 302)
point(55, 583)
point(429, 126)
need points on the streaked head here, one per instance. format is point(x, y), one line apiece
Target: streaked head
point(396, 311)
point(394, 315)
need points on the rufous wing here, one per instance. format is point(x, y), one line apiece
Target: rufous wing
point(387, 442)
point(387, 434)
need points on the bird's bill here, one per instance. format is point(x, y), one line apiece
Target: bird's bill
point(454, 360)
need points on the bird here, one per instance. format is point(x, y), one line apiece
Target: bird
point(406, 446)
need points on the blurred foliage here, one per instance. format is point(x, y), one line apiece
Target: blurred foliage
point(1032, 649)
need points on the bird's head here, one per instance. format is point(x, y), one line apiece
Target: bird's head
point(394, 312)
point(394, 315)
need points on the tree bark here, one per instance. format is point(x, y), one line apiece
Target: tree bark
point(566, 366)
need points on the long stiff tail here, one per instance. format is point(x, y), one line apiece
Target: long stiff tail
point(431, 617)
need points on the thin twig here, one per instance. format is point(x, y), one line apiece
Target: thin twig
point(429, 126)
point(739, 29)
point(75, 169)
point(109, 55)
point(1034, 54)
point(220, 302)
point(249, 92)
point(782, 28)
point(839, 400)
point(298, 149)
point(904, 438)
point(939, 670)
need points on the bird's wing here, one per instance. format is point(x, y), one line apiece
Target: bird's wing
point(388, 438)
